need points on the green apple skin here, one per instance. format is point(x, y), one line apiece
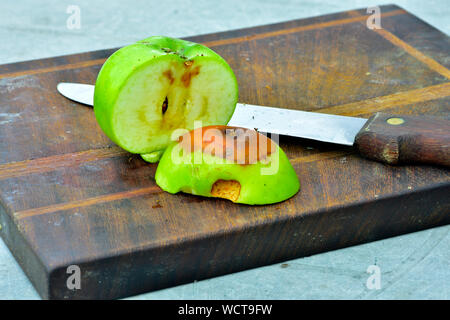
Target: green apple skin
point(186, 174)
point(152, 157)
point(134, 82)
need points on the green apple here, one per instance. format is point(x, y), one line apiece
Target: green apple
point(152, 157)
point(147, 90)
point(237, 164)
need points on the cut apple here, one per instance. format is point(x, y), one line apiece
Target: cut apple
point(233, 163)
point(147, 90)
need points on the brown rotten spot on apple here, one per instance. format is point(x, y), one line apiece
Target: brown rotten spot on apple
point(189, 73)
point(239, 145)
point(169, 75)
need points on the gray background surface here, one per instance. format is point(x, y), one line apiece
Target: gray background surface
point(413, 266)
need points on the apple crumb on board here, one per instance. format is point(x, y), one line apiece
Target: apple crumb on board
point(157, 205)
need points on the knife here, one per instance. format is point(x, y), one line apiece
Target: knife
point(392, 139)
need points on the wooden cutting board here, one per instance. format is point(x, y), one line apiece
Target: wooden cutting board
point(71, 197)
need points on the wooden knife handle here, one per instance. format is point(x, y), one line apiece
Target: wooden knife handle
point(396, 139)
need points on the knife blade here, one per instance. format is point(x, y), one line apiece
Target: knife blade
point(391, 139)
point(310, 125)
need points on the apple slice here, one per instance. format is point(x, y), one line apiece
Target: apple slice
point(147, 90)
point(233, 163)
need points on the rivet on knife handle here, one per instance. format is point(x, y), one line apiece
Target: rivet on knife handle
point(395, 139)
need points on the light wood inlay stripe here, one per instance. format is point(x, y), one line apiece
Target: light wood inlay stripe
point(432, 64)
point(389, 36)
point(369, 106)
point(321, 156)
point(84, 64)
point(320, 25)
point(21, 168)
point(87, 202)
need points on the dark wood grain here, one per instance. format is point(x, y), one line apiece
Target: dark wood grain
point(70, 196)
point(398, 139)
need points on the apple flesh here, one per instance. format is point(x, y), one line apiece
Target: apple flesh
point(147, 90)
point(237, 164)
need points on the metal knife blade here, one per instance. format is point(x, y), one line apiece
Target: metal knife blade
point(309, 125)
point(78, 92)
